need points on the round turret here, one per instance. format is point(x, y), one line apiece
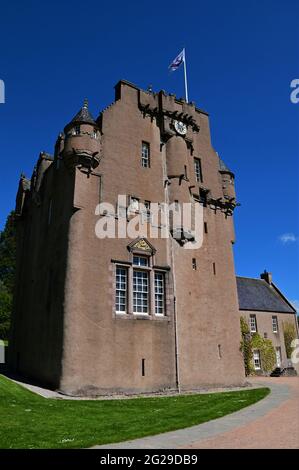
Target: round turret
point(82, 144)
point(228, 181)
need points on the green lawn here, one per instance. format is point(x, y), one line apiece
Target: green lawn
point(30, 421)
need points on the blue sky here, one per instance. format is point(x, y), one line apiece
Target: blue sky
point(241, 58)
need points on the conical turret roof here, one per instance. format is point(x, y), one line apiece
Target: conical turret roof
point(223, 167)
point(82, 117)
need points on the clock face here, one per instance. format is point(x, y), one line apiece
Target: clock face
point(180, 127)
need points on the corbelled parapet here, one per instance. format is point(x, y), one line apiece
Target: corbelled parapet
point(168, 111)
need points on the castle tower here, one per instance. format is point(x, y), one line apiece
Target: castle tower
point(111, 315)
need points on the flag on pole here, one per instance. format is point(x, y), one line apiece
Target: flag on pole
point(175, 64)
point(177, 61)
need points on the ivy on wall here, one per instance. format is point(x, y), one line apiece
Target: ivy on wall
point(253, 341)
point(246, 346)
point(289, 333)
point(267, 352)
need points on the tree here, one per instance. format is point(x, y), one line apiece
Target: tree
point(289, 333)
point(7, 272)
point(5, 311)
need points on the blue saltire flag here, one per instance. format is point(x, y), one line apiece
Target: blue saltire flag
point(177, 61)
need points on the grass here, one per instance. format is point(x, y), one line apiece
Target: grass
point(29, 421)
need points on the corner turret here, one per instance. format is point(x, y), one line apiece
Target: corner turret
point(82, 144)
point(228, 181)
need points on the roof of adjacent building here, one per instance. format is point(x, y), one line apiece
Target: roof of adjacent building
point(257, 294)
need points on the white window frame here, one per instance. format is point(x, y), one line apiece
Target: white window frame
point(118, 290)
point(159, 288)
point(145, 155)
point(141, 292)
point(256, 359)
point(253, 328)
point(198, 170)
point(137, 261)
point(275, 324)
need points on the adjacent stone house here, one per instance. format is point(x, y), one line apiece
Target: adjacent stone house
point(267, 311)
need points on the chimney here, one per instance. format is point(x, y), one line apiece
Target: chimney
point(267, 277)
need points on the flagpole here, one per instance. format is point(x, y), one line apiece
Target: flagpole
point(185, 76)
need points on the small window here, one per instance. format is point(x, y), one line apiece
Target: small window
point(143, 367)
point(77, 130)
point(94, 134)
point(274, 325)
point(145, 155)
point(197, 169)
point(147, 213)
point(253, 328)
point(203, 197)
point(140, 260)
point(194, 264)
point(159, 293)
point(214, 269)
point(206, 227)
point(134, 204)
point(256, 360)
point(121, 290)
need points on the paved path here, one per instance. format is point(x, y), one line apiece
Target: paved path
point(277, 429)
point(271, 423)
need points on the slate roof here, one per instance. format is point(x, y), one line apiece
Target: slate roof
point(257, 294)
point(223, 167)
point(84, 116)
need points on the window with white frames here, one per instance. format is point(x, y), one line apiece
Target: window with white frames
point(252, 324)
point(145, 155)
point(197, 169)
point(256, 360)
point(274, 325)
point(140, 292)
point(121, 290)
point(159, 293)
point(140, 260)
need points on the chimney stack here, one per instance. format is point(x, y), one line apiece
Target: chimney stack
point(267, 277)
